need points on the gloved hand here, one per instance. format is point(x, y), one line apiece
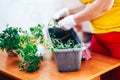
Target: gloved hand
point(67, 23)
point(86, 52)
point(61, 14)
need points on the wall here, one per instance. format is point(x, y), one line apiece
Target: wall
point(24, 13)
point(27, 13)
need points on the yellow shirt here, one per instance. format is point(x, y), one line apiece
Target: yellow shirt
point(108, 22)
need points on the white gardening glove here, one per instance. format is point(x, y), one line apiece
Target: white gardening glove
point(61, 14)
point(67, 23)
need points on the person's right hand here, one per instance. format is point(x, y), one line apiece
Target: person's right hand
point(61, 14)
point(67, 23)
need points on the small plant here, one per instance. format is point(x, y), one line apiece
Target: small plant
point(58, 44)
point(62, 43)
point(30, 59)
point(28, 50)
point(10, 39)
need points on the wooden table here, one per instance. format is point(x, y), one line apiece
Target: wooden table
point(89, 70)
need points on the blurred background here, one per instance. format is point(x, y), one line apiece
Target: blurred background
point(28, 13)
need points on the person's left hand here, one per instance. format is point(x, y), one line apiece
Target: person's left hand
point(67, 23)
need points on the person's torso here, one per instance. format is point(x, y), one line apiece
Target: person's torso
point(108, 22)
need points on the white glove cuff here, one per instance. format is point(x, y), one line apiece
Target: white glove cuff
point(72, 20)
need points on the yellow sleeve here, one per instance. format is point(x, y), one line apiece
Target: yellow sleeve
point(86, 1)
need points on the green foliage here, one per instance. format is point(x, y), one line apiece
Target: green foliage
point(57, 43)
point(37, 32)
point(28, 49)
point(25, 38)
point(10, 38)
point(30, 60)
